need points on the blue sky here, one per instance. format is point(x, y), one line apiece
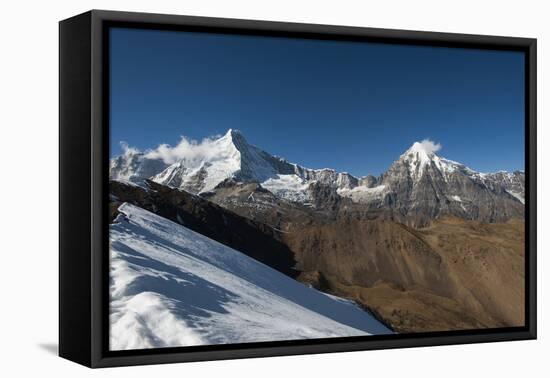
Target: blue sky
point(350, 106)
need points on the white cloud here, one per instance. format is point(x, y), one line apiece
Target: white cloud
point(429, 146)
point(127, 150)
point(189, 149)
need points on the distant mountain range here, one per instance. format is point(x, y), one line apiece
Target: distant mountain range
point(418, 187)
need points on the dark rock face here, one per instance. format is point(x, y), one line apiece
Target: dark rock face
point(324, 196)
point(512, 184)
point(257, 240)
point(443, 188)
point(369, 181)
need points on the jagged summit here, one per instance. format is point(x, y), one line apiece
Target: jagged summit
point(422, 156)
point(228, 157)
point(424, 149)
point(234, 134)
point(421, 152)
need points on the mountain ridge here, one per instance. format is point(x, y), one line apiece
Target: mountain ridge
point(420, 184)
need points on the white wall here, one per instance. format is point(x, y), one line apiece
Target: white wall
point(28, 186)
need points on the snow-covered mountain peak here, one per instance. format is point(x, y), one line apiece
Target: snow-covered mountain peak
point(134, 166)
point(233, 136)
point(423, 154)
point(423, 148)
point(229, 156)
point(234, 133)
point(205, 167)
point(230, 132)
point(236, 140)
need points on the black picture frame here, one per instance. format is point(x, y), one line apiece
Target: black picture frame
point(83, 180)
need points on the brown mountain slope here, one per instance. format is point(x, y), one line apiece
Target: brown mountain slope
point(455, 274)
point(487, 261)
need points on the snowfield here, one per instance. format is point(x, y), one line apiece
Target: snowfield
point(362, 193)
point(170, 286)
point(289, 187)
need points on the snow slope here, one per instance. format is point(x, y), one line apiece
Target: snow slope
point(170, 286)
point(201, 171)
point(363, 193)
point(422, 154)
point(229, 156)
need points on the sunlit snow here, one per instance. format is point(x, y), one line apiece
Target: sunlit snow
point(518, 196)
point(363, 193)
point(170, 286)
point(289, 187)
